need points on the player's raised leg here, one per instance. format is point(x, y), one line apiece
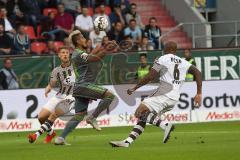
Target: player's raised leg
point(144, 115)
point(81, 106)
point(106, 99)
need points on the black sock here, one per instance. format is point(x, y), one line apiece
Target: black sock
point(137, 131)
point(46, 126)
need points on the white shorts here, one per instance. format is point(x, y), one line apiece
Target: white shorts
point(159, 104)
point(58, 100)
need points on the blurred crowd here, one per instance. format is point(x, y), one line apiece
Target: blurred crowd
point(42, 26)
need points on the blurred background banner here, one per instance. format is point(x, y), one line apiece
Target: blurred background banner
point(215, 64)
point(221, 102)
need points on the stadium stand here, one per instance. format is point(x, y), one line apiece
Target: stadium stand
point(154, 8)
point(38, 47)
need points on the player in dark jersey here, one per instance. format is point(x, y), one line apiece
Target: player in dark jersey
point(85, 88)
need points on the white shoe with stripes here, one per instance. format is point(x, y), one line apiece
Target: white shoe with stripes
point(93, 123)
point(61, 141)
point(119, 144)
point(169, 128)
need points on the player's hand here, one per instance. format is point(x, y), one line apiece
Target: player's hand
point(130, 91)
point(198, 100)
point(110, 46)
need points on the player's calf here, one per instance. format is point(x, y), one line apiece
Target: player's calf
point(103, 104)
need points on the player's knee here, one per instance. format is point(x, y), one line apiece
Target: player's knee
point(141, 110)
point(109, 95)
point(41, 119)
point(80, 115)
point(143, 116)
point(53, 117)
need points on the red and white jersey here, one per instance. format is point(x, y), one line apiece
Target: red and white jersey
point(173, 70)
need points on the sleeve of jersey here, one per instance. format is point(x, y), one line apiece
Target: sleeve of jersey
point(53, 75)
point(187, 64)
point(157, 66)
point(80, 57)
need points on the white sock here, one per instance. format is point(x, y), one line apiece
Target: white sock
point(129, 140)
point(38, 134)
point(50, 132)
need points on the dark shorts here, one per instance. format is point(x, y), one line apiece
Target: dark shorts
point(83, 93)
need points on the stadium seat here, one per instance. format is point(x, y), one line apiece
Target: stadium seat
point(58, 44)
point(48, 10)
point(38, 47)
point(30, 32)
point(108, 10)
point(39, 36)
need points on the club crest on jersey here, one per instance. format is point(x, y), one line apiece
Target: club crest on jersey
point(69, 80)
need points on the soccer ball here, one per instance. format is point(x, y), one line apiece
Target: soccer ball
point(101, 23)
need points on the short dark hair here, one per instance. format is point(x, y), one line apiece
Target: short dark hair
point(143, 55)
point(133, 4)
point(20, 25)
point(152, 18)
point(75, 38)
point(118, 22)
point(132, 20)
point(127, 36)
point(6, 59)
point(61, 4)
point(144, 36)
point(63, 47)
point(84, 6)
point(2, 23)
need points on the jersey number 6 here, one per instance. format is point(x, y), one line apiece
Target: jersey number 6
point(176, 72)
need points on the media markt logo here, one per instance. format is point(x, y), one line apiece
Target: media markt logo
point(15, 125)
point(223, 116)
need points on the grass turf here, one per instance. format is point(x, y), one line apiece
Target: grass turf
point(203, 141)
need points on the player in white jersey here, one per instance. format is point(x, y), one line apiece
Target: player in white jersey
point(64, 76)
point(173, 70)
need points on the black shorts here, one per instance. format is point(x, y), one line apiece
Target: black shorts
point(84, 92)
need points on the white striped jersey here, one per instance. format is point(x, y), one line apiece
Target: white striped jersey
point(65, 78)
point(173, 70)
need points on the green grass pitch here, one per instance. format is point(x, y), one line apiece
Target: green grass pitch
point(203, 141)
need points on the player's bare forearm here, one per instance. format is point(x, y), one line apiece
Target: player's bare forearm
point(198, 75)
point(100, 51)
point(51, 84)
point(149, 77)
point(96, 55)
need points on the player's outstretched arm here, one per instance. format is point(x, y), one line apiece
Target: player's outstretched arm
point(149, 77)
point(97, 54)
point(198, 75)
point(100, 51)
point(49, 87)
